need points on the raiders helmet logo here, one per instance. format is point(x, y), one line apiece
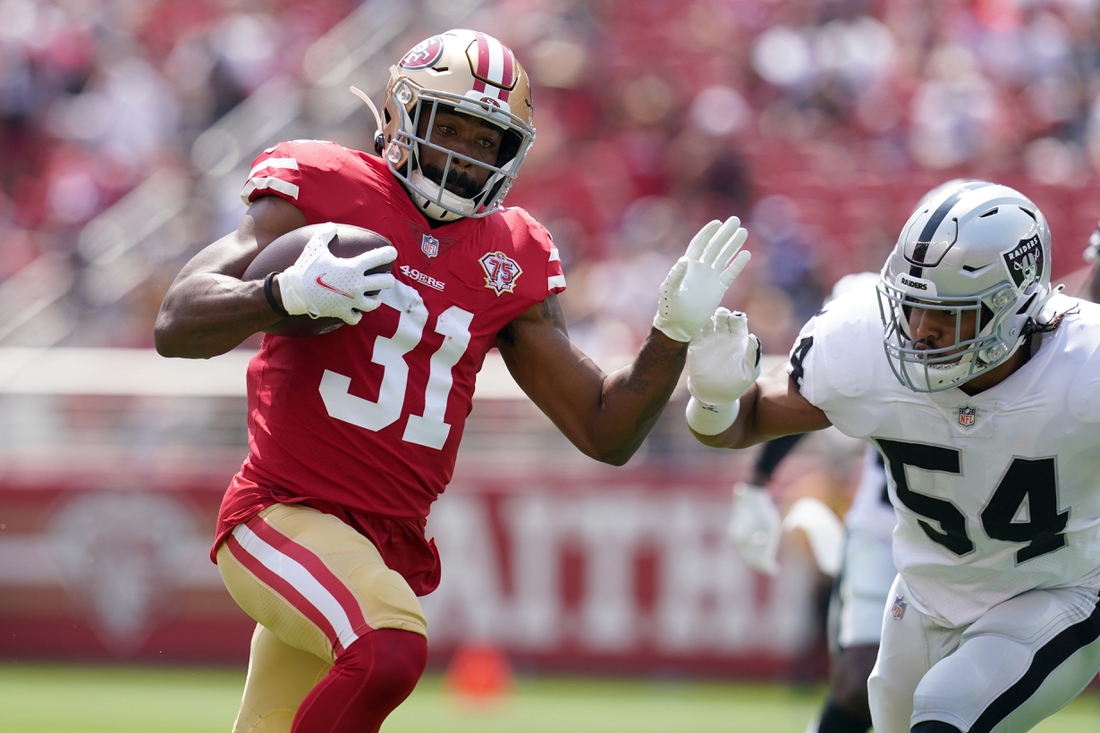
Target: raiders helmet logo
point(1025, 262)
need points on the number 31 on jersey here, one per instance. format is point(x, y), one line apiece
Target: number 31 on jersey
point(428, 429)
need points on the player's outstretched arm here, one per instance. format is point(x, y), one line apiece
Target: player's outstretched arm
point(607, 416)
point(771, 408)
point(208, 309)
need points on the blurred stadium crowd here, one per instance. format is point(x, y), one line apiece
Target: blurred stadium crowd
point(124, 137)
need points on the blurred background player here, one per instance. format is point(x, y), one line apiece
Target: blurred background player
point(985, 409)
point(353, 434)
point(1092, 256)
point(866, 572)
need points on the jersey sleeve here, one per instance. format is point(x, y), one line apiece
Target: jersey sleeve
point(292, 170)
point(833, 355)
point(537, 251)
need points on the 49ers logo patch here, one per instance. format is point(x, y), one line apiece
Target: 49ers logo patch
point(423, 55)
point(501, 272)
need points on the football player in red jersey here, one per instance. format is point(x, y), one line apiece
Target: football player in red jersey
point(354, 433)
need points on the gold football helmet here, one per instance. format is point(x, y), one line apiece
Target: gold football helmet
point(472, 73)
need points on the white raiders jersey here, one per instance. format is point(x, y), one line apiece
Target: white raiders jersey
point(995, 493)
point(871, 510)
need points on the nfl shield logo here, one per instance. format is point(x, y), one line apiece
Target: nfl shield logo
point(899, 608)
point(429, 245)
point(966, 416)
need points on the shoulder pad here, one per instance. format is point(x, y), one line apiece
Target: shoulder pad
point(836, 350)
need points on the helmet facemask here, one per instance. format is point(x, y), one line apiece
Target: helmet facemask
point(981, 252)
point(436, 200)
point(934, 370)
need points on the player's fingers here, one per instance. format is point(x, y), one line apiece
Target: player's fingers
point(730, 273)
point(738, 323)
point(317, 245)
point(730, 249)
point(324, 234)
point(733, 247)
point(721, 320)
point(676, 274)
point(720, 239)
point(378, 281)
point(755, 349)
point(374, 258)
point(699, 241)
point(353, 316)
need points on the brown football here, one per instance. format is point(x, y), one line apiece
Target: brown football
point(349, 241)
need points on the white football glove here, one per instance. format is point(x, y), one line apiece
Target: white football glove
point(755, 527)
point(320, 284)
point(723, 358)
point(1092, 252)
point(723, 361)
point(696, 283)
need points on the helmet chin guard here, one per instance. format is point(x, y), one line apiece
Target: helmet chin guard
point(458, 71)
point(975, 250)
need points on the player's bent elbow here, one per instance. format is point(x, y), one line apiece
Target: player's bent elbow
point(164, 340)
point(616, 459)
point(172, 342)
point(614, 455)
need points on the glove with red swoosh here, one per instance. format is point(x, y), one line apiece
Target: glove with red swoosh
point(320, 284)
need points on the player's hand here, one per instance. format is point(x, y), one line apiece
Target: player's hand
point(696, 283)
point(320, 284)
point(1092, 252)
point(755, 527)
point(723, 359)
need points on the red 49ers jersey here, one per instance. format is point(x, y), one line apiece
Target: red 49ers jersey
point(369, 417)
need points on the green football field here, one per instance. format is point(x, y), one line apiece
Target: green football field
point(49, 699)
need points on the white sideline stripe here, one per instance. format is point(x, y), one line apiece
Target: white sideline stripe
point(288, 163)
point(296, 574)
point(555, 281)
point(269, 182)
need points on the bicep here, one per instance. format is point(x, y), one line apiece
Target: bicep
point(265, 221)
point(541, 358)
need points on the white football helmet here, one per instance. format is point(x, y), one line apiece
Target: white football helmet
point(466, 71)
point(970, 247)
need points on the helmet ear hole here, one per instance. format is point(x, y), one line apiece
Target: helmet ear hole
point(1026, 306)
point(984, 317)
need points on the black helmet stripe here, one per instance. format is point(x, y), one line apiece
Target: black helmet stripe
point(921, 248)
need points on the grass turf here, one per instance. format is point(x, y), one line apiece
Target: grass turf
point(60, 699)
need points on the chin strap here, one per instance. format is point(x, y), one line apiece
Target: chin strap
point(374, 110)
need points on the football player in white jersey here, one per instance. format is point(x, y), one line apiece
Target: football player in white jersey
point(979, 384)
point(866, 570)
